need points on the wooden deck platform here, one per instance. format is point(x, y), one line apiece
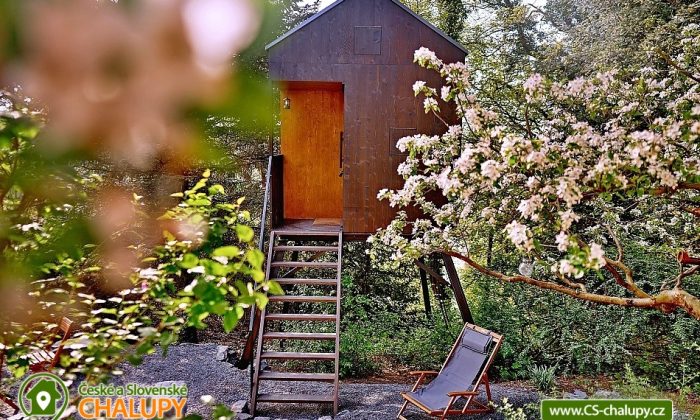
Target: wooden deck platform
point(313, 225)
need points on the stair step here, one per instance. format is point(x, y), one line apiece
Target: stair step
point(300, 248)
point(292, 355)
point(295, 398)
point(294, 376)
point(311, 282)
point(287, 298)
point(304, 264)
point(278, 335)
point(305, 233)
point(300, 317)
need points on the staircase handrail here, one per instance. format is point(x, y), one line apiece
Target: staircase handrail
point(247, 355)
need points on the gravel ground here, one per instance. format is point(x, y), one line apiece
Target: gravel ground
point(196, 365)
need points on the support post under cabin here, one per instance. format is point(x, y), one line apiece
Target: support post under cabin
point(462, 303)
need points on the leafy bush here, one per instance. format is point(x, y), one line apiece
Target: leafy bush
point(635, 386)
point(509, 412)
point(191, 276)
point(382, 324)
point(543, 377)
point(358, 355)
point(542, 328)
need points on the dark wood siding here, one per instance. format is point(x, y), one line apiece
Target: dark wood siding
point(378, 75)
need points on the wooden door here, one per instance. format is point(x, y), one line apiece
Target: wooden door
point(312, 126)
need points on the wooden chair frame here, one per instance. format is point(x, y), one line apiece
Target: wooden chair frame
point(43, 360)
point(471, 405)
point(4, 398)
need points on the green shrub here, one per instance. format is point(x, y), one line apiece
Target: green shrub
point(509, 412)
point(543, 328)
point(383, 323)
point(427, 346)
point(357, 351)
point(543, 377)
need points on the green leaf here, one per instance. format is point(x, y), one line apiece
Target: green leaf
point(274, 288)
point(261, 300)
point(255, 257)
point(189, 260)
point(199, 202)
point(134, 359)
point(221, 411)
point(227, 251)
point(167, 338)
point(257, 275)
point(245, 233)
point(216, 189)
point(230, 320)
point(129, 309)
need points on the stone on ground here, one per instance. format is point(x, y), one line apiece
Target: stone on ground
point(240, 406)
point(221, 353)
point(576, 395)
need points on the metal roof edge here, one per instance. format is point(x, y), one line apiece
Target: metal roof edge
point(337, 2)
point(431, 26)
point(302, 24)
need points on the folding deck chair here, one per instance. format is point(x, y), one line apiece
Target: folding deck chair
point(46, 358)
point(464, 371)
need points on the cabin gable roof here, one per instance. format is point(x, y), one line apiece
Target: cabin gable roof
point(338, 2)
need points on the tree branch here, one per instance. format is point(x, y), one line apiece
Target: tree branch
point(684, 274)
point(618, 245)
point(667, 58)
point(666, 301)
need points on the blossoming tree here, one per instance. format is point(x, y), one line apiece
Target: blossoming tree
point(577, 172)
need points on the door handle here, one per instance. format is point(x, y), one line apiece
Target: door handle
point(340, 163)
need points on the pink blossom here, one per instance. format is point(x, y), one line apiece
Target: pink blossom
point(596, 255)
point(490, 170)
point(425, 57)
point(517, 233)
point(562, 241)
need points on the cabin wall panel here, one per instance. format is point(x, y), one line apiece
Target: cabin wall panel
point(378, 98)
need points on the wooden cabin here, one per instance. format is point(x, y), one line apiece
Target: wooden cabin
point(345, 77)
point(346, 80)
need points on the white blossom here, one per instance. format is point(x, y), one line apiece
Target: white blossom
point(597, 255)
point(490, 170)
point(425, 57)
point(418, 87)
point(562, 241)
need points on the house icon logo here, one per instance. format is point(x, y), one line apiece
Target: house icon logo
point(43, 395)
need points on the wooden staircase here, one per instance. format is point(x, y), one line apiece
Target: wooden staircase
point(305, 296)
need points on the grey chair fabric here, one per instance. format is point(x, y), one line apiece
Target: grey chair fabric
point(459, 373)
point(476, 341)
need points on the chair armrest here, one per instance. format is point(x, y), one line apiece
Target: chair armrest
point(423, 372)
point(421, 376)
point(461, 393)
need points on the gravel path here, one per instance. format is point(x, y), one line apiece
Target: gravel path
point(196, 365)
